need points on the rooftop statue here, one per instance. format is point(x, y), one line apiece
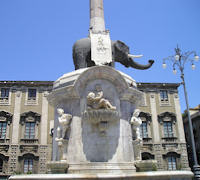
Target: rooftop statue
point(98, 49)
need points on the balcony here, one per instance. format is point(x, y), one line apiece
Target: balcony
point(29, 141)
point(4, 101)
point(169, 139)
point(4, 141)
point(147, 140)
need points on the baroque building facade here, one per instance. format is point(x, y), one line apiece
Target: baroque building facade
point(26, 126)
point(162, 127)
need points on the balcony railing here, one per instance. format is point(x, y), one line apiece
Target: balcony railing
point(4, 100)
point(29, 141)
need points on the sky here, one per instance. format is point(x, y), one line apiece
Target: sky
point(36, 37)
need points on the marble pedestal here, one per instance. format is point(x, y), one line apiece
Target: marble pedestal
point(99, 140)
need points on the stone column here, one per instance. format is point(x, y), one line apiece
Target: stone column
point(97, 23)
point(44, 119)
point(181, 134)
point(156, 134)
point(15, 133)
point(43, 149)
point(16, 118)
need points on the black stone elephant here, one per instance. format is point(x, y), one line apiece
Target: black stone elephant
point(120, 53)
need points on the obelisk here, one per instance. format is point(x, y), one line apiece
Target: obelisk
point(101, 51)
point(97, 23)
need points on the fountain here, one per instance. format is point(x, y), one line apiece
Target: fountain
point(96, 125)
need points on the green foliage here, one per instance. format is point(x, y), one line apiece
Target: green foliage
point(17, 172)
point(179, 167)
point(154, 167)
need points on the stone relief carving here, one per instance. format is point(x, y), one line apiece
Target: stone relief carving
point(98, 102)
point(64, 125)
point(99, 110)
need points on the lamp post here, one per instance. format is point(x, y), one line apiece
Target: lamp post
point(179, 61)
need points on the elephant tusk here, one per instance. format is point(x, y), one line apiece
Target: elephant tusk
point(134, 56)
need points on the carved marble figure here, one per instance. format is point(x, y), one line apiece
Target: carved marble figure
point(59, 140)
point(137, 149)
point(64, 121)
point(98, 102)
point(136, 123)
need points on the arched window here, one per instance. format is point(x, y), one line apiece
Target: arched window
point(172, 165)
point(28, 165)
point(147, 156)
point(172, 160)
point(3, 163)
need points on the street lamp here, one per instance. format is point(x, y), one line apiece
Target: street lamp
point(179, 61)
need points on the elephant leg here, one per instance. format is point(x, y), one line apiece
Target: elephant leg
point(79, 58)
point(89, 61)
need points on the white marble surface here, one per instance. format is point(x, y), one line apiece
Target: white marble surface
point(156, 175)
point(86, 144)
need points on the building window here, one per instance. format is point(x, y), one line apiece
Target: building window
point(1, 165)
point(30, 130)
point(171, 163)
point(32, 94)
point(29, 126)
point(164, 96)
point(168, 129)
point(3, 126)
point(167, 121)
point(143, 130)
point(28, 165)
point(4, 93)
point(147, 156)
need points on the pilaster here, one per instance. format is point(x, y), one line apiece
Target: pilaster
point(179, 119)
point(43, 154)
point(16, 118)
point(155, 125)
point(44, 120)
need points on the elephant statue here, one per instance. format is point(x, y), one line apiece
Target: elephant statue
point(120, 53)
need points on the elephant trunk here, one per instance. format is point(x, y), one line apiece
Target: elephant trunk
point(135, 65)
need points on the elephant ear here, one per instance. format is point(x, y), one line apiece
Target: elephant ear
point(121, 53)
point(121, 46)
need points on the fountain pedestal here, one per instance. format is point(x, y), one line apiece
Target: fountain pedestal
point(101, 101)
